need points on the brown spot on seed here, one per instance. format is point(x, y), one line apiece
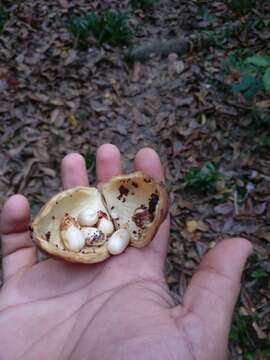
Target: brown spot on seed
point(48, 235)
point(53, 217)
point(147, 180)
point(135, 184)
point(97, 239)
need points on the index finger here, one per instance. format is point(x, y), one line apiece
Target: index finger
point(108, 162)
point(73, 171)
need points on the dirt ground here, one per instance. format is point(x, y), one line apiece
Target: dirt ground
point(55, 99)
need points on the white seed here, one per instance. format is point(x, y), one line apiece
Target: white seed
point(88, 217)
point(73, 238)
point(118, 242)
point(106, 226)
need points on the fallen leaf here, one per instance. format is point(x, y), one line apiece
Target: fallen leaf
point(64, 4)
point(264, 235)
point(42, 98)
point(192, 226)
point(202, 226)
point(72, 121)
point(174, 65)
point(136, 72)
point(224, 209)
point(260, 333)
point(264, 104)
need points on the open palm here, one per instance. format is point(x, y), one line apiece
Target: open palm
point(119, 309)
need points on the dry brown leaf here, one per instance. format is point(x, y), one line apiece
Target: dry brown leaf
point(264, 104)
point(64, 4)
point(192, 226)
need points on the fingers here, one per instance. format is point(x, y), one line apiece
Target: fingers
point(73, 171)
point(17, 248)
point(214, 288)
point(108, 162)
point(148, 161)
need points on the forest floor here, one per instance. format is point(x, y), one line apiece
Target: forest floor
point(205, 112)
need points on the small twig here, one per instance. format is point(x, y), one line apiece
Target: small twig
point(76, 42)
point(235, 202)
point(180, 45)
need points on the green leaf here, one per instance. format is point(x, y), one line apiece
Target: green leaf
point(203, 180)
point(211, 167)
point(3, 17)
point(245, 83)
point(257, 60)
point(145, 5)
point(248, 86)
point(266, 79)
point(241, 6)
point(109, 27)
point(249, 356)
point(90, 159)
point(259, 274)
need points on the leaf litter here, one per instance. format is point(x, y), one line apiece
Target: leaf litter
point(56, 99)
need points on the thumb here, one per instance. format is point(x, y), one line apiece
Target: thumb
point(214, 288)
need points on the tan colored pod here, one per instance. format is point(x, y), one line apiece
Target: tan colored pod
point(47, 224)
point(139, 202)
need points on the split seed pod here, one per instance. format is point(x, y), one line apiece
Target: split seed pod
point(133, 202)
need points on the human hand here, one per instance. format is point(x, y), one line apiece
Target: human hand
point(119, 309)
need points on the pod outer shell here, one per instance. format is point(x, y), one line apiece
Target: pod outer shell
point(45, 227)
